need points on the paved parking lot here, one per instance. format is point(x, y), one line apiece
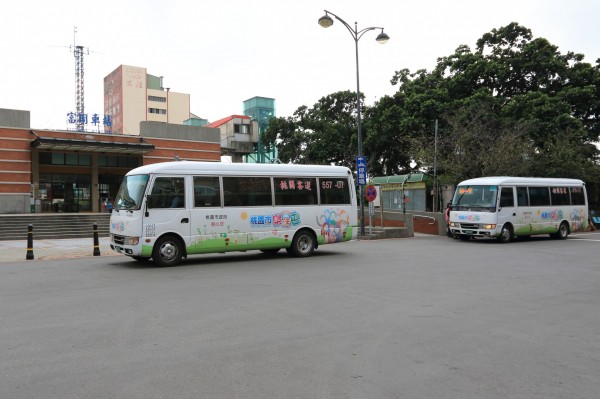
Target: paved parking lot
point(423, 317)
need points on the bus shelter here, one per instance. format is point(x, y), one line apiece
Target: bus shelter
point(410, 192)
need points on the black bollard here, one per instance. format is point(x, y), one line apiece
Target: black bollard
point(96, 243)
point(29, 242)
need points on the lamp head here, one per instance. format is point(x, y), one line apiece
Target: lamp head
point(325, 21)
point(382, 38)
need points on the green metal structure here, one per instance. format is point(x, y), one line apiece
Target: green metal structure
point(261, 109)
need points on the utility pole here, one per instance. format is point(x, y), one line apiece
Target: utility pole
point(435, 182)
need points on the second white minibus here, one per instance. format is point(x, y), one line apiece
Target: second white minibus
point(167, 211)
point(508, 207)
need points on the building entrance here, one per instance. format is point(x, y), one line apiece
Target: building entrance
point(65, 192)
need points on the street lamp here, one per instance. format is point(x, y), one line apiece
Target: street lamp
point(326, 21)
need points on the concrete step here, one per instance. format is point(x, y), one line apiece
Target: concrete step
point(15, 227)
point(377, 233)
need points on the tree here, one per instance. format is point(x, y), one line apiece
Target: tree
point(477, 143)
point(385, 124)
point(513, 90)
point(324, 134)
point(513, 105)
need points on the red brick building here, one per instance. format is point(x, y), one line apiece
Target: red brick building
point(64, 171)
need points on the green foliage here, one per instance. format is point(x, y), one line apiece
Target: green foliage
point(515, 105)
point(324, 134)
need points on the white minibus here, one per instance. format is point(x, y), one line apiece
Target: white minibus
point(167, 211)
point(508, 207)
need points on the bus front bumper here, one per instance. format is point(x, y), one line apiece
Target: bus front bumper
point(126, 245)
point(475, 231)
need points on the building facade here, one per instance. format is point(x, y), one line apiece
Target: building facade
point(132, 96)
point(239, 135)
point(65, 171)
point(261, 109)
point(80, 171)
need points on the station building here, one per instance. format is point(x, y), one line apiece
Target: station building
point(80, 170)
point(67, 171)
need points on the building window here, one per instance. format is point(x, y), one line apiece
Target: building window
point(157, 99)
point(61, 158)
point(244, 129)
point(118, 161)
point(71, 159)
point(159, 111)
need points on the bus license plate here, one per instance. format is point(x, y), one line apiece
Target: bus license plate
point(468, 231)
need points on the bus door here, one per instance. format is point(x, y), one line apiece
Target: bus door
point(506, 207)
point(166, 208)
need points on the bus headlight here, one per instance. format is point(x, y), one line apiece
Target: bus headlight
point(131, 240)
point(488, 226)
point(453, 224)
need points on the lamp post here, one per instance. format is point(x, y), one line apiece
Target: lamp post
point(326, 21)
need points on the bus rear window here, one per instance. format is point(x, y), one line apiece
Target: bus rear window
point(577, 196)
point(334, 191)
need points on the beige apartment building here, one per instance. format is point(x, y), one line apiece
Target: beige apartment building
point(132, 96)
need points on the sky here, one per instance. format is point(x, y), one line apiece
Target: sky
point(224, 52)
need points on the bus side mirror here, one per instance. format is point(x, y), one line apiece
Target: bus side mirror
point(148, 204)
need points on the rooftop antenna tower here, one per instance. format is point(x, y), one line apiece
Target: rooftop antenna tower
point(78, 52)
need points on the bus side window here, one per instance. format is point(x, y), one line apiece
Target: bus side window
point(522, 199)
point(577, 196)
point(168, 192)
point(507, 199)
point(207, 191)
point(539, 196)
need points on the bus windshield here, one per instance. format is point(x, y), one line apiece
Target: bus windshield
point(475, 198)
point(131, 192)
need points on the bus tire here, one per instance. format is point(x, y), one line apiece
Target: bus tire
point(506, 234)
point(167, 251)
point(562, 233)
point(303, 244)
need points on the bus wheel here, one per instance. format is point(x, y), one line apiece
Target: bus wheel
point(563, 231)
point(506, 235)
point(303, 244)
point(167, 251)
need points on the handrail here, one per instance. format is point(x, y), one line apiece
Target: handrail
point(425, 217)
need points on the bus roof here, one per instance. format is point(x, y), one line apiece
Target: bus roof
point(518, 181)
point(237, 169)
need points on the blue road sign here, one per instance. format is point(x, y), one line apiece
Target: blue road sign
point(361, 170)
